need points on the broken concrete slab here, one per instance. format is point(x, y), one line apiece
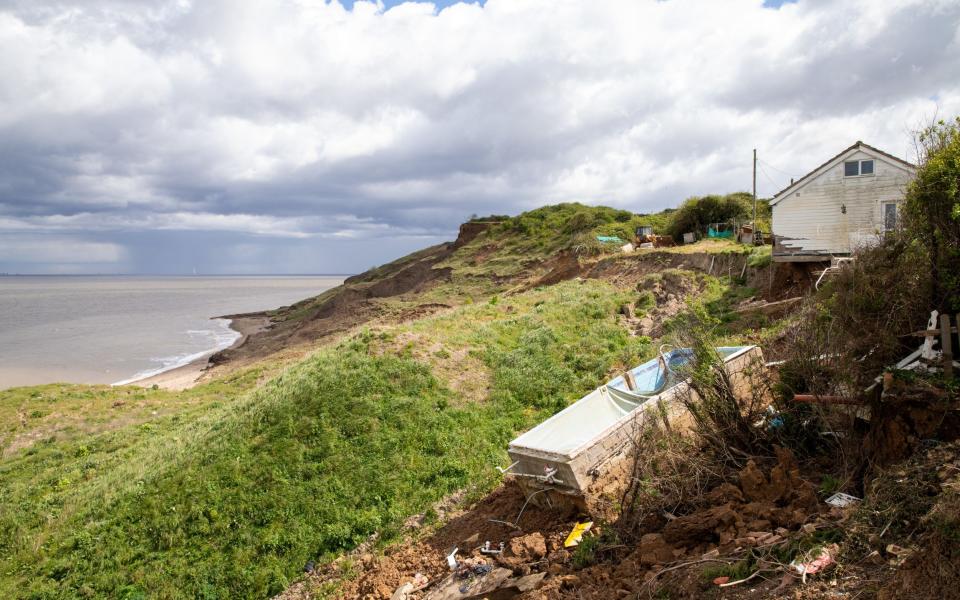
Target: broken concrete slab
point(498, 584)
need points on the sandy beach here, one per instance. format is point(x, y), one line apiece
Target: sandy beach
point(188, 375)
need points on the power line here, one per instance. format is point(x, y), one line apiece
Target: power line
point(770, 179)
point(775, 168)
point(767, 175)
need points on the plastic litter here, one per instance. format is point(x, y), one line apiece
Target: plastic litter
point(841, 500)
point(577, 533)
point(473, 567)
point(420, 581)
point(773, 419)
point(486, 549)
point(822, 560)
point(470, 570)
point(452, 559)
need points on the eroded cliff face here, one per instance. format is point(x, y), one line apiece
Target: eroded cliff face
point(485, 260)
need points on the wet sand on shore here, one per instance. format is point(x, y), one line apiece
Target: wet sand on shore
point(188, 375)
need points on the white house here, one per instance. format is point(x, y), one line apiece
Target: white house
point(846, 202)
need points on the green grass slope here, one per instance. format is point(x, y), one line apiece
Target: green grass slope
point(232, 501)
point(228, 489)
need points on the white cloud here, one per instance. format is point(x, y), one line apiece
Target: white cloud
point(329, 226)
point(282, 119)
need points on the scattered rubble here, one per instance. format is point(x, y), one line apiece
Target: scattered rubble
point(766, 530)
point(841, 500)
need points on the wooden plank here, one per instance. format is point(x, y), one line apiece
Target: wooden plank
point(630, 380)
point(946, 346)
point(800, 258)
point(928, 332)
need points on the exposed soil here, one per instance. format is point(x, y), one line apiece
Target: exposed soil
point(760, 510)
point(629, 270)
point(340, 309)
point(565, 265)
point(355, 303)
point(535, 538)
point(907, 416)
point(767, 511)
point(360, 300)
point(779, 281)
point(670, 294)
point(756, 513)
point(932, 569)
point(757, 516)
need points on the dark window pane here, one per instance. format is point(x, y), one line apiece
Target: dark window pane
point(851, 169)
point(866, 167)
point(889, 216)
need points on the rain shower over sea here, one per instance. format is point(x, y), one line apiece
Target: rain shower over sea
point(110, 329)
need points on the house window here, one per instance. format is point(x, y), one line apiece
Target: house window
point(889, 216)
point(856, 168)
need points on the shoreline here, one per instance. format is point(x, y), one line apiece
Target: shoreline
point(186, 376)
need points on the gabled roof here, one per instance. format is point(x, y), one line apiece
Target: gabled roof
point(858, 145)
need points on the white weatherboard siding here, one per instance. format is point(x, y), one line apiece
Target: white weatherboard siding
point(809, 218)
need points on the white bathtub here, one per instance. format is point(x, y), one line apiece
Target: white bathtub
point(571, 449)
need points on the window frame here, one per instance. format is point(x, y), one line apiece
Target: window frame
point(859, 162)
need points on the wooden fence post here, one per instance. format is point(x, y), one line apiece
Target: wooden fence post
point(946, 345)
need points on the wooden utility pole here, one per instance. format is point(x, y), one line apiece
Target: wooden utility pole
point(754, 195)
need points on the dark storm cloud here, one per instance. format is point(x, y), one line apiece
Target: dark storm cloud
point(304, 137)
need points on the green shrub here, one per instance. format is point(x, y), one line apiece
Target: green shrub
point(585, 553)
point(593, 549)
point(696, 213)
point(932, 214)
point(761, 256)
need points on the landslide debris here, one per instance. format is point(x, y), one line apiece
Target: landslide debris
point(530, 542)
point(762, 508)
point(751, 526)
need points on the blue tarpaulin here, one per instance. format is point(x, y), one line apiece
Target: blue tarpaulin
point(711, 232)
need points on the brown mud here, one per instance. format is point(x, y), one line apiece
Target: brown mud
point(762, 509)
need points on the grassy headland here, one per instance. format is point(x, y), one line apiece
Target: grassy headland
point(415, 375)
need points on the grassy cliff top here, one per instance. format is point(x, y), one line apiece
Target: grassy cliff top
point(411, 380)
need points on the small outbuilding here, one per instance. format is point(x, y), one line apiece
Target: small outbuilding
point(847, 202)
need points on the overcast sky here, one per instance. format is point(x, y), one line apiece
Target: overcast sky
point(303, 136)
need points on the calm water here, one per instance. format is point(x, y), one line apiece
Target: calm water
point(110, 329)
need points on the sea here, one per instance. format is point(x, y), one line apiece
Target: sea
point(116, 329)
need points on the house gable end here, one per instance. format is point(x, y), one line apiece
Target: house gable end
point(859, 147)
